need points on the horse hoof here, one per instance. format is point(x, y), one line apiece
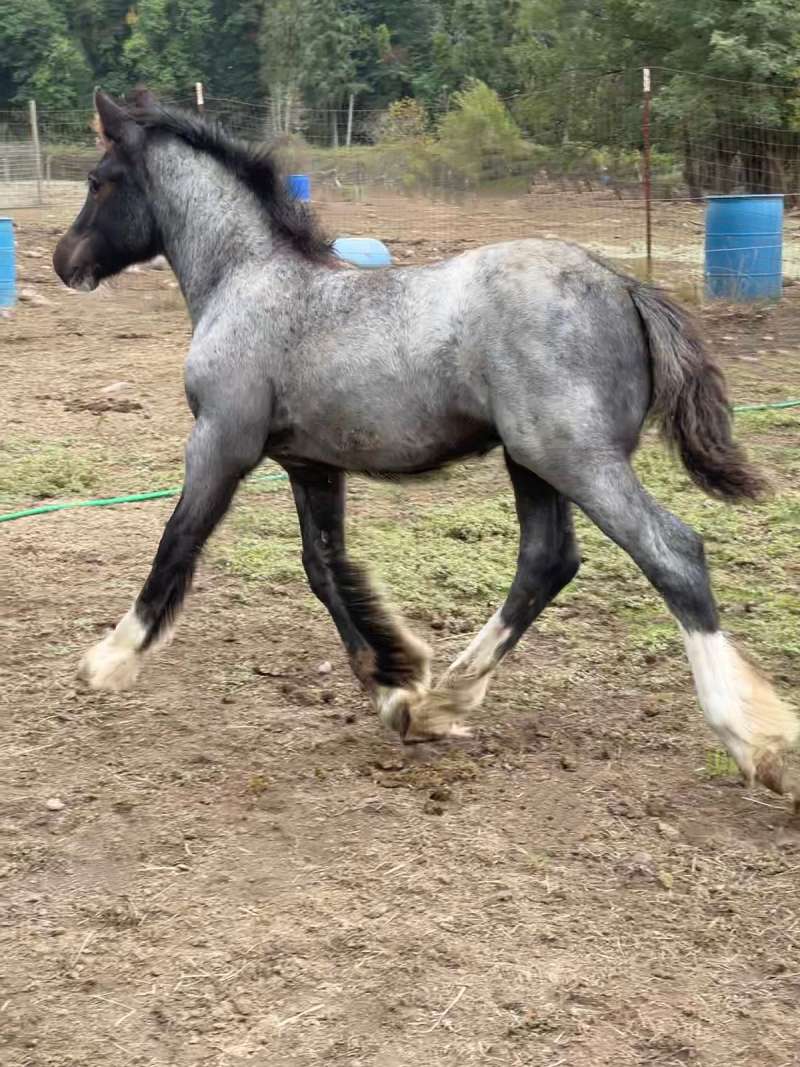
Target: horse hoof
point(420, 715)
point(438, 714)
point(772, 772)
point(108, 667)
point(394, 710)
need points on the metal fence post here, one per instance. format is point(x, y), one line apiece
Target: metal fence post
point(37, 151)
point(647, 169)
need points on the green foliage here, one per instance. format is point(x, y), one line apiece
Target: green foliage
point(100, 28)
point(751, 40)
point(64, 79)
point(235, 56)
point(479, 138)
point(465, 46)
point(331, 35)
point(570, 70)
point(39, 57)
point(281, 43)
point(400, 63)
point(404, 121)
point(169, 45)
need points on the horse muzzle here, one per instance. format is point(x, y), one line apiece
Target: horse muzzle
point(74, 264)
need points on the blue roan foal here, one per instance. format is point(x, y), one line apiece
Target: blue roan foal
point(532, 346)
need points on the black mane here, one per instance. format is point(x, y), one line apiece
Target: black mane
point(253, 164)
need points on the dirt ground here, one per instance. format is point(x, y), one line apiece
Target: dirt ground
point(233, 864)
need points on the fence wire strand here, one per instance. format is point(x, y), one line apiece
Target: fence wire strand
point(573, 170)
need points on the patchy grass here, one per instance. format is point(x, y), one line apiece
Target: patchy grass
point(719, 764)
point(31, 471)
point(447, 549)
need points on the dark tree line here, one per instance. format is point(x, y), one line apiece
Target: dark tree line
point(554, 60)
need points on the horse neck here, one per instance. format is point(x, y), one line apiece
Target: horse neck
point(210, 223)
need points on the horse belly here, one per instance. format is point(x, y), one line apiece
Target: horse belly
point(402, 447)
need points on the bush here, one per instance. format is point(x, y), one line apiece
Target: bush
point(404, 121)
point(479, 139)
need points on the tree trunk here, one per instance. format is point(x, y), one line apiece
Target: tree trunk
point(288, 114)
point(334, 127)
point(350, 104)
point(690, 170)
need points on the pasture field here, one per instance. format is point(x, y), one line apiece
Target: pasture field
point(236, 866)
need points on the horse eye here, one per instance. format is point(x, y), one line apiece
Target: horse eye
point(94, 184)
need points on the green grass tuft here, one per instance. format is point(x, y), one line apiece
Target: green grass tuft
point(719, 764)
point(30, 472)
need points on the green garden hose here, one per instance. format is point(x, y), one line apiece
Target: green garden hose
point(135, 498)
point(104, 502)
point(777, 406)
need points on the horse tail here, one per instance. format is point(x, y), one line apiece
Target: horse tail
point(690, 400)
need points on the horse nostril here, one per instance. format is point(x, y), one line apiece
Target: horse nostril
point(61, 257)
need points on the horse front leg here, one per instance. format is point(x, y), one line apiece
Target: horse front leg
point(217, 458)
point(391, 663)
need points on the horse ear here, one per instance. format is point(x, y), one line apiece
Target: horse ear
point(112, 120)
point(115, 125)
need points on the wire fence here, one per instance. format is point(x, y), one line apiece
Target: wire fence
point(572, 164)
point(20, 159)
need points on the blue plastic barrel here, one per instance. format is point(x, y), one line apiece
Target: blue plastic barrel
point(8, 274)
point(299, 186)
point(363, 251)
point(744, 247)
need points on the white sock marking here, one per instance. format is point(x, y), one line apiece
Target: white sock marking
point(114, 663)
point(479, 654)
point(739, 705)
point(477, 661)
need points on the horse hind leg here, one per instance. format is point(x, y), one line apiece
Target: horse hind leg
point(738, 703)
point(547, 561)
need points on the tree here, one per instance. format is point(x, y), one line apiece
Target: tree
point(463, 46)
point(733, 133)
point(474, 50)
point(282, 49)
point(99, 28)
point(235, 55)
point(170, 44)
point(571, 67)
point(39, 57)
point(63, 80)
point(478, 136)
point(398, 63)
point(551, 38)
point(333, 35)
